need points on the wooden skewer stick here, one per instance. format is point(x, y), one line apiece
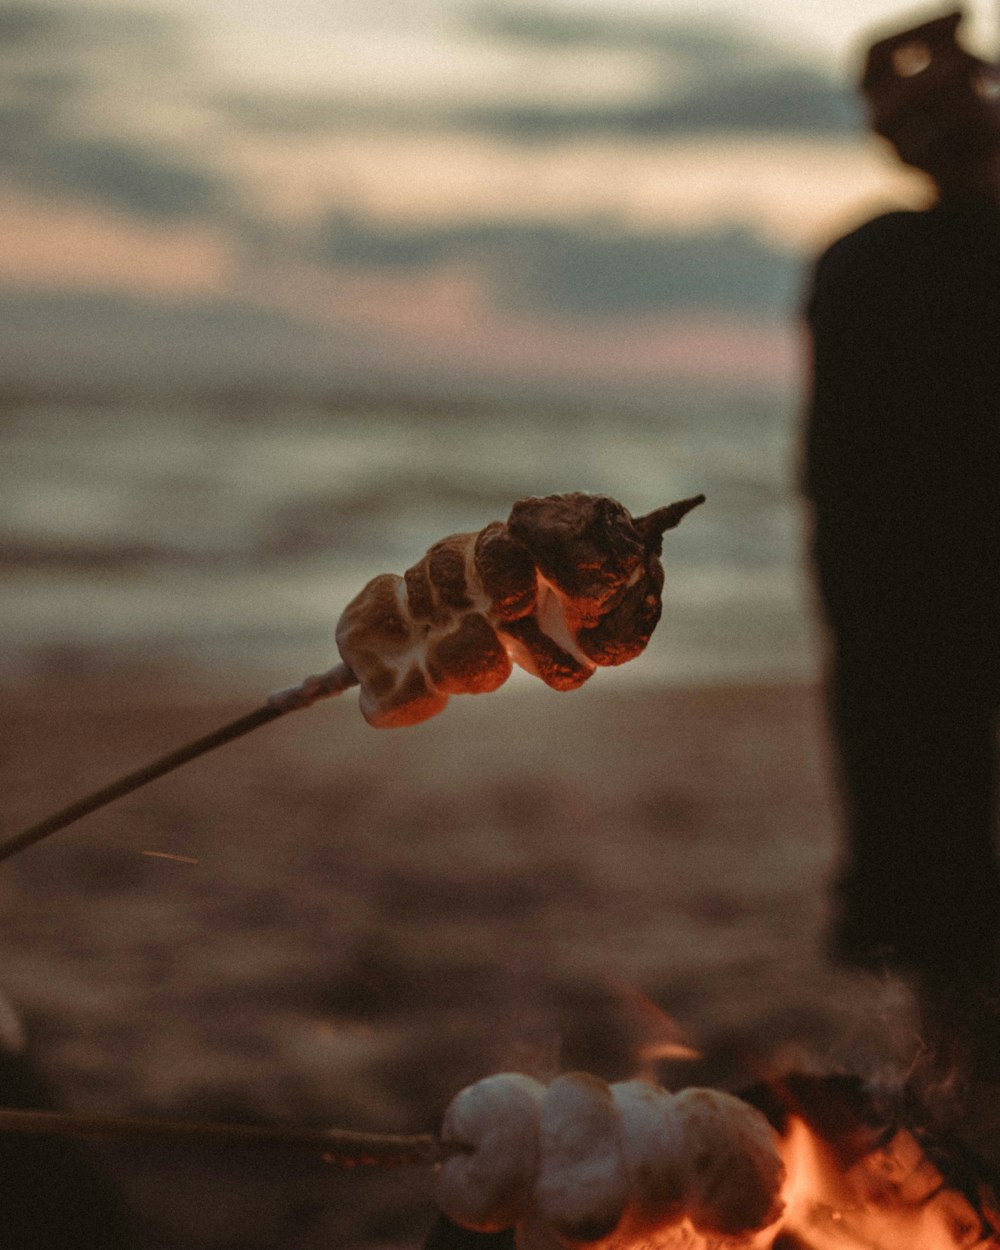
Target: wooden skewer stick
point(320, 686)
point(337, 1146)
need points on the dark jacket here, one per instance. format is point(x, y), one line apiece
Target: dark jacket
point(901, 454)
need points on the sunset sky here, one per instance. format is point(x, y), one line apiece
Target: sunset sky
point(552, 189)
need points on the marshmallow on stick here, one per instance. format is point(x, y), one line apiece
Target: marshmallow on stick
point(486, 1187)
point(569, 583)
point(610, 1167)
point(582, 1186)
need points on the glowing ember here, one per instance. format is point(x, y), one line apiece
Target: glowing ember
point(568, 584)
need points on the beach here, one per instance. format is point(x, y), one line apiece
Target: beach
point(324, 924)
point(327, 925)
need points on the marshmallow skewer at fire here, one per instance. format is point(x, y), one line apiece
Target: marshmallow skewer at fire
point(568, 584)
point(800, 1163)
point(628, 1166)
point(568, 1164)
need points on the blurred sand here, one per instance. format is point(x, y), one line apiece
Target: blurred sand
point(377, 918)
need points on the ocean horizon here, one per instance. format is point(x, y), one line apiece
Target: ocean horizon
point(228, 537)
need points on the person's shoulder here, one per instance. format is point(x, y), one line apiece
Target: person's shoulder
point(878, 237)
point(872, 261)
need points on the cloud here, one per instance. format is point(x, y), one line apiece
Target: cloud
point(98, 339)
point(86, 94)
point(26, 25)
point(132, 177)
point(64, 126)
point(693, 39)
point(713, 77)
point(697, 77)
point(579, 270)
point(783, 101)
point(136, 179)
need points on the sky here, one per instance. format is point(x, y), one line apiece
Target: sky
point(332, 189)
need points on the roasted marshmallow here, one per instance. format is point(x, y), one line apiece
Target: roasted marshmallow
point(570, 583)
point(731, 1171)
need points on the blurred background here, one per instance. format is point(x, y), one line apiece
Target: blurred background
point(290, 290)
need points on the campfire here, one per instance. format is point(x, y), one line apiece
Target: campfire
point(859, 1178)
point(806, 1163)
point(568, 584)
point(802, 1163)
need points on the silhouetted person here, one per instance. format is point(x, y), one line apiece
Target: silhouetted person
point(902, 467)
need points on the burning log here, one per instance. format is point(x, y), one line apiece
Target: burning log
point(568, 584)
point(871, 1173)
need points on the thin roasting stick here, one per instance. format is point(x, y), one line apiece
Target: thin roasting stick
point(321, 686)
point(338, 1146)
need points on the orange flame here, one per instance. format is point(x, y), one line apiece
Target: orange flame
point(858, 1192)
point(657, 1035)
point(892, 1198)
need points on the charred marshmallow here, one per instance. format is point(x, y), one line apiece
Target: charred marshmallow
point(569, 583)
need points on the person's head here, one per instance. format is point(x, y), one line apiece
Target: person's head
point(936, 103)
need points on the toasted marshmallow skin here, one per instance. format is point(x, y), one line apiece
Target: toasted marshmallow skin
point(568, 584)
point(730, 1167)
point(652, 1143)
point(488, 1188)
point(582, 1185)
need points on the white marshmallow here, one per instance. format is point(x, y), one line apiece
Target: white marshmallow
point(651, 1142)
point(488, 1188)
point(582, 1185)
